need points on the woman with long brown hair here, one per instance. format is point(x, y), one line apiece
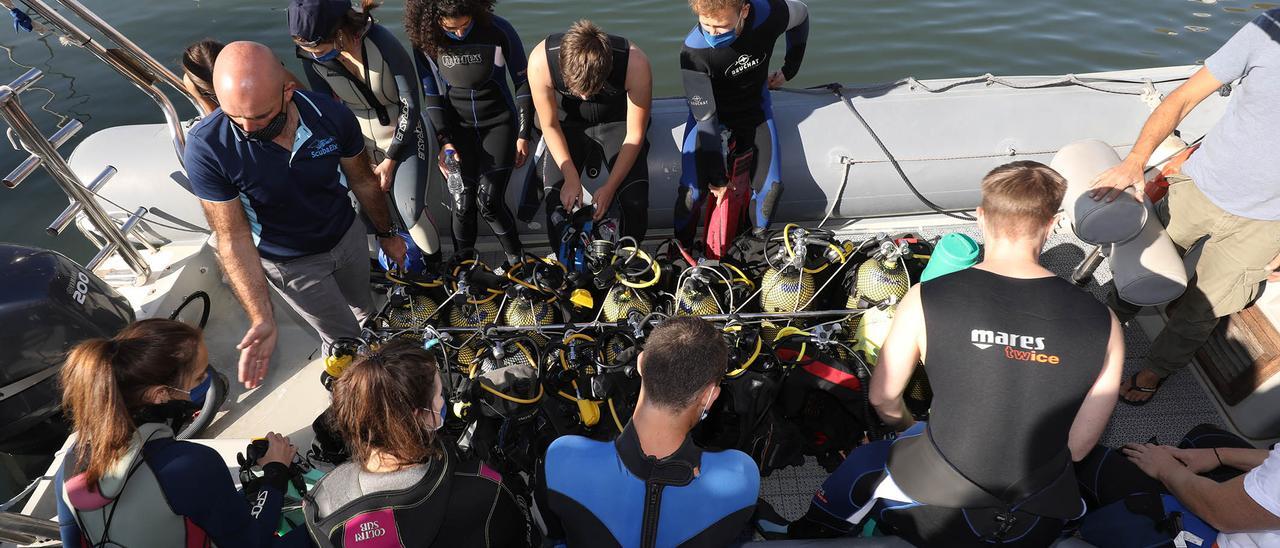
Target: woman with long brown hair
point(463, 49)
point(405, 484)
point(125, 480)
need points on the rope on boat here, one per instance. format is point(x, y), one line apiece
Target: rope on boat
point(990, 79)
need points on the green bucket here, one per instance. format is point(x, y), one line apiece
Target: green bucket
point(953, 253)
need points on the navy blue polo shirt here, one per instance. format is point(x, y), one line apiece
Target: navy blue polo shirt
point(296, 202)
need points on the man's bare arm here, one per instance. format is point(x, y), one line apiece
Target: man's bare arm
point(544, 103)
point(243, 267)
point(639, 102)
point(364, 184)
point(1098, 404)
point(1159, 126)
point(898, 358)
point(1226, 506)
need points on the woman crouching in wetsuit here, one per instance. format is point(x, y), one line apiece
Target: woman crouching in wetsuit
point(125, 480)
point(404, 484)
point(345, 54)
point(462, 50)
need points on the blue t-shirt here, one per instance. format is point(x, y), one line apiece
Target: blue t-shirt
point(296, 200)
point(1238, 167)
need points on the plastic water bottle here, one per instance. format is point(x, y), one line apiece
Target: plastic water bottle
point(453, 172)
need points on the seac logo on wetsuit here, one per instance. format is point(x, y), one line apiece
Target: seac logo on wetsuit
point(744, 63)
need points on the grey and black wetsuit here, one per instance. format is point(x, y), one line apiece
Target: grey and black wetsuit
point(594, 129)
point(727, 89)
point(385, 100)
point(471, 106)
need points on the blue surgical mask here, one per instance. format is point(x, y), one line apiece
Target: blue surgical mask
point(466, 32)
point(719, 40)
point(444, 410)
point(329, 56)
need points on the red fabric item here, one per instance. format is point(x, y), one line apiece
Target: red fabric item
point(1159, 186)
point(724, 216)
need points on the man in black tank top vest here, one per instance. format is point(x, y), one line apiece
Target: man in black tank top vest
point(592, 92)
point(1025, 369)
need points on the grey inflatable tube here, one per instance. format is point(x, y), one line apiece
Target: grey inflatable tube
point(1148, 270)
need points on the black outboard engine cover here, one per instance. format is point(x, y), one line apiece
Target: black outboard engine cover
point(48, 303)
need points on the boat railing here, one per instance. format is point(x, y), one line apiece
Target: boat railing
point(139, 68)
point(44, 153)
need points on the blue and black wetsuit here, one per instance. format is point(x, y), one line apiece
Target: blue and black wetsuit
point(471, 107)
point(727, 89)
point(169, 493)
point(385, 98)
point(595, 129)
point(612, 494)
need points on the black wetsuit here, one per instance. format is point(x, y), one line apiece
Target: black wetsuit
point(472, 108)
point(445, 502)
point(1010, 361)
point(727, 89)
point(594, 130)
point(385, 100)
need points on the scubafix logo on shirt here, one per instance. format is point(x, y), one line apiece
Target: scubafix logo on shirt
point(1024, 348)
point(320, 147)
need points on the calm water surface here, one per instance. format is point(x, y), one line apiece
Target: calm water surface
point(851, 41)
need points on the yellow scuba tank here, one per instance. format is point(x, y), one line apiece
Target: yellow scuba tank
point(479, 309)
point(630, 292)
point(531, 304)
point(694, 294)
point(880, 280)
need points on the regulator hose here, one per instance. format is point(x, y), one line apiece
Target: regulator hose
point(204, 314)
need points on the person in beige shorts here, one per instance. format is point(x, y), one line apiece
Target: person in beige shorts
point(1228, 195)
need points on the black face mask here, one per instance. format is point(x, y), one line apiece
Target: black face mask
point(272, 129)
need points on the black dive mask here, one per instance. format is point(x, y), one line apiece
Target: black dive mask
point(176, 413)
point(273, 128)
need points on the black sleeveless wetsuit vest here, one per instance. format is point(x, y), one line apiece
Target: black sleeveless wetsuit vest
point(608, 105)
point(1010, 361)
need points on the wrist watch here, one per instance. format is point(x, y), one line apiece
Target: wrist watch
point(388, 233)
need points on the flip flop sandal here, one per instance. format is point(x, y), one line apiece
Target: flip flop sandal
point(1133, 385)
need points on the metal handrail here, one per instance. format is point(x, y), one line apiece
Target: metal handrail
point(160, 71)
point(130, 61)
point(33, 140)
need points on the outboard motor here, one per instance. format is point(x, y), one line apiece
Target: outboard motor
point(48, 303)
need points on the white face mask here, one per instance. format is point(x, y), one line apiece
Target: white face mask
point(706, 408)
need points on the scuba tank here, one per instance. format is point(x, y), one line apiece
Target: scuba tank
point(413, 299)
point(879, 284)
point(532, 297)
point(711, 287)
point(880, 281)
point(791, 284)
point(634, 273)
point(475, 304)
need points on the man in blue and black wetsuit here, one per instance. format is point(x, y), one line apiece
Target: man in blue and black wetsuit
point(725, 67)
point(652, 486)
